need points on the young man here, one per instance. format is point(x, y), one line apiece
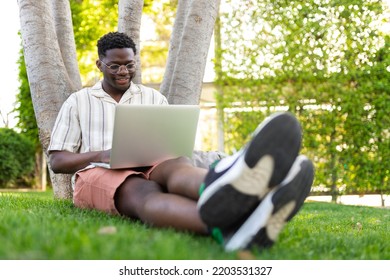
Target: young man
point(245, 199)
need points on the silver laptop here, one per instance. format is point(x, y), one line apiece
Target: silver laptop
point(145, 134)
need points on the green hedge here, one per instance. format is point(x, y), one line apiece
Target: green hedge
point(16, 158)
point(327, 62)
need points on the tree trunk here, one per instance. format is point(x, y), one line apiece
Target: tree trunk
point(191, 57)
point(129, 22)
point(218, 69)
point(65, 35)
point(333, 167)
point(39, 156)
point(174, 45)
point(43, 179)
point(51, 62)
point(49, 81)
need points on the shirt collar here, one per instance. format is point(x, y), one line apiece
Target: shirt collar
point(97, 91)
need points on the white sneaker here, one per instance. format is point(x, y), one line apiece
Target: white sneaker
point(234, 186)
point(263, 226)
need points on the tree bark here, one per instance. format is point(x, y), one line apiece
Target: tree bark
point(174, 45)
point(129, 22)
point(51, 62)
point(191, 58)
point(64, 30)
point(49, 81)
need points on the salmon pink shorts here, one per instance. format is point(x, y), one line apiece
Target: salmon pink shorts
point(95, 187)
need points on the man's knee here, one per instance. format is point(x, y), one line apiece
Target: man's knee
point(181, 161)
point(133, 193)
point(169, 168)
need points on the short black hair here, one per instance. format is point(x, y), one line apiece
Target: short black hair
point(114, 40)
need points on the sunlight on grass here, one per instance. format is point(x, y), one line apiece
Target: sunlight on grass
point(37, 226)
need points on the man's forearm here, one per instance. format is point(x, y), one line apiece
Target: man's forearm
point(68, 162)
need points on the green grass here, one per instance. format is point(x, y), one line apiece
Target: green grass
point(37, 226)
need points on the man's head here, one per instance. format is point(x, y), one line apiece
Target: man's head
point(114, 40)
point(117, 62)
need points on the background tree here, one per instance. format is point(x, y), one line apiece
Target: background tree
point(187, 57)
point(49, 80)
point(47, 65)
point(84, 16)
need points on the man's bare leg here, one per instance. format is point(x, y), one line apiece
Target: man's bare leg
point(146, 200)
point(180, 177)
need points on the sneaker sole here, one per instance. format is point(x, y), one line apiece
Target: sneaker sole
point(263, 226)
point(253, 173)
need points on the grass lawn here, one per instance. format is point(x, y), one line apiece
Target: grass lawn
point(37, 226)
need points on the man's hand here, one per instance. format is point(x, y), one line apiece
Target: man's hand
point(105, 156)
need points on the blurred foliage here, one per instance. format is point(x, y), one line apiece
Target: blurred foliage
point(91, 20)
point(17, 158)
point(94, 18)
point(326, 61)
point(26, 118)
point(159, 17)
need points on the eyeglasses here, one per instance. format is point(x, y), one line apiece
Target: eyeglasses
point(114, 68)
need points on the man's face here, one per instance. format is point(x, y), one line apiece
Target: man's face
point(115, 82)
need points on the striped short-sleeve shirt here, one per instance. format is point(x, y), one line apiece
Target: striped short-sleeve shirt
point(86, 120)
